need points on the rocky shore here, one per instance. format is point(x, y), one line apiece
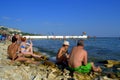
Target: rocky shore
point(47, 70)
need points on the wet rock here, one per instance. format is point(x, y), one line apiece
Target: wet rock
point(111, 75)
point(118, 69)
point(109, 65)
point(113, 62)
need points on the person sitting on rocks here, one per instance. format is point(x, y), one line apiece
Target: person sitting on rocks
point(62, 55)
point(78, 60)
point(26, 48)
point(13, 55)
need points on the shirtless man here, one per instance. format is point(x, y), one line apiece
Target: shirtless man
point(78, 60)
point(12, 52)
point(62, 54)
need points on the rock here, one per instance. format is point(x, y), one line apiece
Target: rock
point(16, 63)
point(118, 69)
point(99, 78)
point(78, 76)
point(106, 78)
point(28, 56)
point(49, 63)
point(118, 74)
point(111, 75)
point(109, 65)
point(59, 78)
point(44, 58)
point(38, 77)
point(113, 62)
point(66, 72)
point(51, 76)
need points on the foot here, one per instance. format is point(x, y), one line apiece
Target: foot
point(99, 69)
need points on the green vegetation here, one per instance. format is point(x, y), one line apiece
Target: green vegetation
point(12, 31)
point(31, 34)
point(3, 28)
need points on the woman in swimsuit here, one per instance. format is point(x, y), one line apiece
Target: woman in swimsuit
point(27, 49)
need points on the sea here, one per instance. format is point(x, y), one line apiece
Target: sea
point(99, 48)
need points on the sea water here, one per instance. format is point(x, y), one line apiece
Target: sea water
point(102, 48)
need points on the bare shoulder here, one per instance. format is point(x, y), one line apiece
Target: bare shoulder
point(75, 47)
point(85, 51)
point(60, 49)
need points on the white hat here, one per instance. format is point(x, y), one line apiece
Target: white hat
point(66, 43)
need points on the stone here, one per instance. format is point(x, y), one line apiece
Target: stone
point(111, 75)
point(109, 65)
point(80, 76)
point(118, 74)
point(106, 78)
point(66, 72)
point(38, 77)
point(49, 63)
point(113, 62)
point(51, 76)
point(118, 69)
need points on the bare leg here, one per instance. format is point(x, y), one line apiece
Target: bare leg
point(30, 53)
point(96, 69)
point(22, 59)
point(29, 49)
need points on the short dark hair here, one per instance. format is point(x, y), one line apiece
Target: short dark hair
point(14, 39)
point(80, 43)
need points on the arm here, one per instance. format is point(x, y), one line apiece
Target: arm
point(59, 53)
point(85, 58)
point(15, 52)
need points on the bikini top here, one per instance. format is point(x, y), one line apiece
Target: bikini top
point(22, 46)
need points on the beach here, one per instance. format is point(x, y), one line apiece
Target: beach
point(47, 70)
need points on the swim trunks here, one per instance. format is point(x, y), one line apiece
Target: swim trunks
point(82, 69)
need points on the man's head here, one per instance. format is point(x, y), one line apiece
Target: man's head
point(14, 39)
point(80, 43)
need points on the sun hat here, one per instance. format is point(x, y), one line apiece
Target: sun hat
point(66, 43)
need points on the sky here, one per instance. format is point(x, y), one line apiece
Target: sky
point(62, 17)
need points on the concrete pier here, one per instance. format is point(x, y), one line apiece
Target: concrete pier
point(57, 37)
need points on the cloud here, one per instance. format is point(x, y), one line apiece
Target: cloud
point(18, 20)
point(52, 24)
point(12, 19)
point(6, 18)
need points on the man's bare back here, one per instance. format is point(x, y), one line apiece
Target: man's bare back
point(77, 57)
